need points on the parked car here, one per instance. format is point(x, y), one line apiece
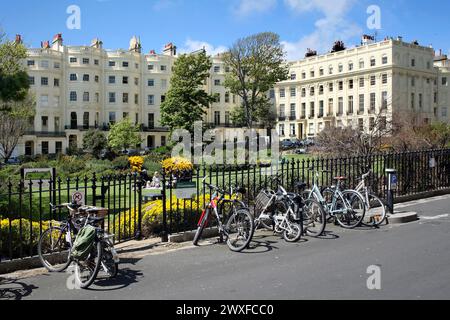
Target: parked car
point(146, 151)
point(308, 142)
point(297, 142)
point(131, 152)
point(301, 151)
point(13, 161)
point(287, 144)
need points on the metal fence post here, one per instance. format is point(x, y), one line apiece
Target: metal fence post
point(138, 185)
point(391, 185)
point(164, 235)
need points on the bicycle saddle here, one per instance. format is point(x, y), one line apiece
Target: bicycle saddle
point(340, 178)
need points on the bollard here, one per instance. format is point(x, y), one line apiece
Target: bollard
point(391, 187)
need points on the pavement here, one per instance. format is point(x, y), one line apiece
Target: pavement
point(406, 261)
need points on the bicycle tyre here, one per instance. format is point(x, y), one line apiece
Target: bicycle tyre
point(351, 220)
point(98, 250)
point(42, 256)
point(317, 219)
point(200, 228)
point(375, 212)
point(244, 217)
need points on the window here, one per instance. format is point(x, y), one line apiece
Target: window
point(227, 117)
point(58, 147)
point(112, 97)
point(413, 82)
point(361, 82)
point(125, 80)
point(112, 117)
point(420, 100)
point(321, 72)
point(311, 73)
point(73, 96)
point(350, 84)
point(340, 67)
point(435, 99)
point(361, 64)
point(341, 85)
point(85, 60)
point(217, 82)
point(217, 118)
point(112, 63)
point(340, 106)
point(292, 126)
point(361, 103)
point(96, 62)
point(292, 111)
point(303, 115)
point(282, 93)
point(384, 59)
point(373, 101)
point(73, 60)
point(125, 97)
point(227, 97)
point(303, 75)
point(96, 79)
point(311, 110)
point(44, 81)
point(112, 79)
point(371, 124)
point(136, 65)
point(29, 148)
point(320, 90)
point(330, 70)
point(136, 99)
point(31, 81)
point(150, 67)
point(384, 100)
point(86, 78)
point(444, 81)
point(125, 115)
point(73, 120)
point(44, 64)
point(384, 78)
point(86, 97)
point(56, 65)
point(86, 120)
point(97, 97)
point(428, 65)
point(303, 92)
point(163, 98)
point(125, 64)
point(350, 105)
point(216, 69)
point(272, 94)
point(293, 76)
point(373, 80)
point(44, 147)
point(30, 63)
point(330, 87)
point(163, 68)
point(151, 120)
point(361, 124)
point(151, 82)
point(321, 107)
point(73, 77)
point(281, 130)
point(44, 100)
point(373, 62)
point(293, 92)
point(350, 66)
point(151, 100)
point(282, 112)
point(136, 81)
point(56, 82)
point(312, 91)
point(413, 62)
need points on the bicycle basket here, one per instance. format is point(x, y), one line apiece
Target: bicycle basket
point(263, 201)
point(84, 242)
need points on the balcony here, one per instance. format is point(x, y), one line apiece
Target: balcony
point(46, 134)
point(281, 118)
point(360, 112)
point(81, 128)
point(292, 118)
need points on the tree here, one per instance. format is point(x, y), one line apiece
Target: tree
point(16, 103)
point(124, 135)
point(95, 141)
point(13, 125)
point(186, 99)
point(256, 63)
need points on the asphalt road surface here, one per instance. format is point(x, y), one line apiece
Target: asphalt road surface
point(413, 261)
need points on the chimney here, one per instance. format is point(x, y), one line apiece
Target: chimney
point(170, 50)
point(57, 41)
point(18, 39)
point(366, 39)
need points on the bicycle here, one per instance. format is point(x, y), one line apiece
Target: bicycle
point(238, 230)
point(277, 207)
point(346, 207)
point(58, 240)
point(375, 207)
point(102, 255)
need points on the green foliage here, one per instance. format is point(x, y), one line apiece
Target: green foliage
point(121, 163)
point(124, 135)
point(95, 141)
point(186, 99)
point(151, 165)
point(256, 64)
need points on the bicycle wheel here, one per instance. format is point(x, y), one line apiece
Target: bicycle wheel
point(201, 226)
point(294, 234)
point(239, 230)
point(86, 271)
point(109, 265)
point(351, 209)
point(314, 218)
point(375, 211)
point(54, 249)
point(308, 194)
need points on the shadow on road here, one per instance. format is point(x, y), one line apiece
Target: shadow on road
point(260, 244)
point(14, 290)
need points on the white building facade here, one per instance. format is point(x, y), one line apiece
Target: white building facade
point(85, 87)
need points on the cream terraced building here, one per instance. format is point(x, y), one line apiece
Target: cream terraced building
point(82, 87)
point(78, 88)
point(362, 86)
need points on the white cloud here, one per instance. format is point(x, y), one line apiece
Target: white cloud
point(334, 26)
point(194, 45)
point(247, 7)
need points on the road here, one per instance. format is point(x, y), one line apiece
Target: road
point(414, 262)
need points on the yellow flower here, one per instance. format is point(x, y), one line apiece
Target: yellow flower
point(136, 163)
point(177, 165)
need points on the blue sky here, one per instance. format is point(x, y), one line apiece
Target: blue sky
point(192, 24)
